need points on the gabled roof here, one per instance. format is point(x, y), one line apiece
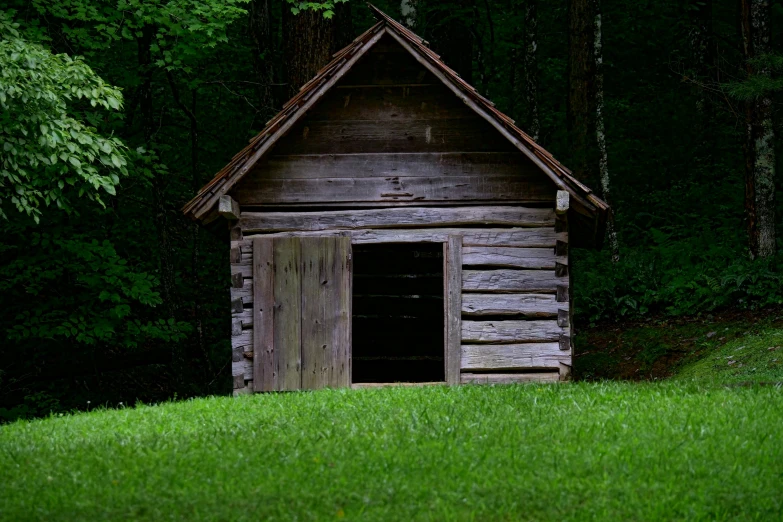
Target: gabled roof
point(584, 201)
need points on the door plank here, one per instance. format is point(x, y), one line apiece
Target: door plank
point(342, 354)
point(264, 370)
point(317, 310)
point(288, 312)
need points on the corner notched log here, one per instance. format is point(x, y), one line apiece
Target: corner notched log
point(228, 208)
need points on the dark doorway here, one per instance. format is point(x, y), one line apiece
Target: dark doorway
point(398, 313)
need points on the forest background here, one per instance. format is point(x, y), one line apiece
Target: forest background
point(109, 294)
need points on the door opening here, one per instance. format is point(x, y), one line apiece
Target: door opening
point(398, 313)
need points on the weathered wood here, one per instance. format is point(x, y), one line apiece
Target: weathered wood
point(509, 281)
point(286, 126)
point(244, 270)
point(562, 316)
point(565, 343)
point(262, 316)
point(236, 306)
point(563, 291)
point(318, 310)
point(509, 378)
point(489, 118)
point(239, 381)
point(529, 305)
point(511, 257)
point(396, 218)
point(565, 372)
point(339, 136)
point(390, 103)
point(439, 165)
point(228, 208)
point(561, 248)
point(562, 202)
point(452, 295)
point(236, 234)
point(244, 340)
point(246, 317)
point(236, 327)
point(489, 187)
point(531, 237)
point(243, 368)
point(512, 356)
point(510, 331)
point(247, 390)
point(288, 313)
point(561, 267)
point(237, 279)
point(245, 293)
point(235, 256)
point(341, 364)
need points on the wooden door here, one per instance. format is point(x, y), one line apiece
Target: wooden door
point(302, 291)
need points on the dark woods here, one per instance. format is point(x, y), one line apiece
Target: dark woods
point(671, 108)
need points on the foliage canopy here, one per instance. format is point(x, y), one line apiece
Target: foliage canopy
point(50, 155)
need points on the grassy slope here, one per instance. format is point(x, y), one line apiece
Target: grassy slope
point(690, 348)
point(577, 452)
point(756, 357)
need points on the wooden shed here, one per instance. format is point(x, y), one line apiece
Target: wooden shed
point(391, 225)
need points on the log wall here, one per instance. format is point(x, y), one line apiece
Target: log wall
point(516, 312)
point(511, 312)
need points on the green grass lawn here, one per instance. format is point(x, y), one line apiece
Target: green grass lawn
point(607, 451)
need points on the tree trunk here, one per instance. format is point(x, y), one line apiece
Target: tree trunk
point(600, 131)
point(260, 28)
point(587, 132)
point(702, 51)
point(582, 89)
point(309, 41)
point(146, 107)
point(531, 68)
point(343, 29)
point(760, 136)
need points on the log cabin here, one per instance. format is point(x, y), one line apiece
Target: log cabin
point(390, 225)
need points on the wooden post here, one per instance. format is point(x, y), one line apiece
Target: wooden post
point(452, 293)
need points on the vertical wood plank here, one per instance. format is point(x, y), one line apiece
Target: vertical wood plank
point(264, 371)
point(340, 375)
point(318, 310)
point(287, 322)
point(452, 297)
